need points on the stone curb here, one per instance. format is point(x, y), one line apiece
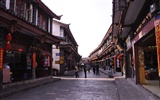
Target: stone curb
point(24, 87)
point(122, 92)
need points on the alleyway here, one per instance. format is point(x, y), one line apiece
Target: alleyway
point(94, 87)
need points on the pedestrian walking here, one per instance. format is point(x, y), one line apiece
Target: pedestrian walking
point(94, 68)
point(111, 71)
point(97, 69)
point(76, 71)
point(88, 67)
point(85, 70)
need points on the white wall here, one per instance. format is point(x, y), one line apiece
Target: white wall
point(56, 32)
point(55, 57)
point(56, 29)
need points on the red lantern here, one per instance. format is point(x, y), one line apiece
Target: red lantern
point(8, 46)
point(8, 37)
point(20, 50)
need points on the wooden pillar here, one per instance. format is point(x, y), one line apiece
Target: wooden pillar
point(141, 65)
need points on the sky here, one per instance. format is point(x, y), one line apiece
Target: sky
point(89, 20)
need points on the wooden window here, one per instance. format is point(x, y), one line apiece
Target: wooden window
point(38, 20)
point(21, 8)
point(49, 25)
point(13, 6)
point(66, 39)
point(61, 31)
point(36, 16)
point(24, 11)
point(42, 21)
point(3, 3)
point(29, 13)
point(44, 25)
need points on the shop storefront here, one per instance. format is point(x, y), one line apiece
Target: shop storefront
point(68, 58)
point(27, 57)
point(145, 55)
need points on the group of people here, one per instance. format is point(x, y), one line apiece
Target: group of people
point(96, 69)
point(87, 67)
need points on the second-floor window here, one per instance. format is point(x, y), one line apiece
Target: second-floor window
point(12, 6)
point(20, 8)
point(44, 25)
point(61, 31)
point(49, 25)
point(29, 13)
point(42, 21)
point(65, 38)
point(36, 17)
point(7, 4)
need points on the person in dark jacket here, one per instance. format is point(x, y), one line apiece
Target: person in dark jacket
point(94, 68)
point(97, 69)
point(85, 70)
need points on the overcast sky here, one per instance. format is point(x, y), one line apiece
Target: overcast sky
point(89, 19)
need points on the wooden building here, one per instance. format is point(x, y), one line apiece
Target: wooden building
point(66, 54)
point(26, 38)
point(106, 52)
point(136, 24)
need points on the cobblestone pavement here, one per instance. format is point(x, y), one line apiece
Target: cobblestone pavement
point(94, 87)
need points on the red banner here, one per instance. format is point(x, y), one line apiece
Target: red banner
point(34, 60)
point(1, 58)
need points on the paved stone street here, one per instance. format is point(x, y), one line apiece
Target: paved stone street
point(94, 87)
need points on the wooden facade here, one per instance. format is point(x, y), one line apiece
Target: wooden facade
point(105, 52)
point(138, 33)
point(26, 38)
point(68, 49)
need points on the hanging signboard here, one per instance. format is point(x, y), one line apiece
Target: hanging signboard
point(56, 62)
point(57, 54)
point(157, 34)
point(61, 62)
point(1, 58)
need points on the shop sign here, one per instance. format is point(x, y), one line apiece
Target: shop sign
point(56, 62)
point(49, 61)
point(157, 34)
point(61, 57)
point(61, 62)
point(57, 54)
point(1, 58)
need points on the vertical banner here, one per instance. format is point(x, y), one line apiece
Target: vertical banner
point(49, 61)
point(157, 34)
point(34, 60)
point(1, 58)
